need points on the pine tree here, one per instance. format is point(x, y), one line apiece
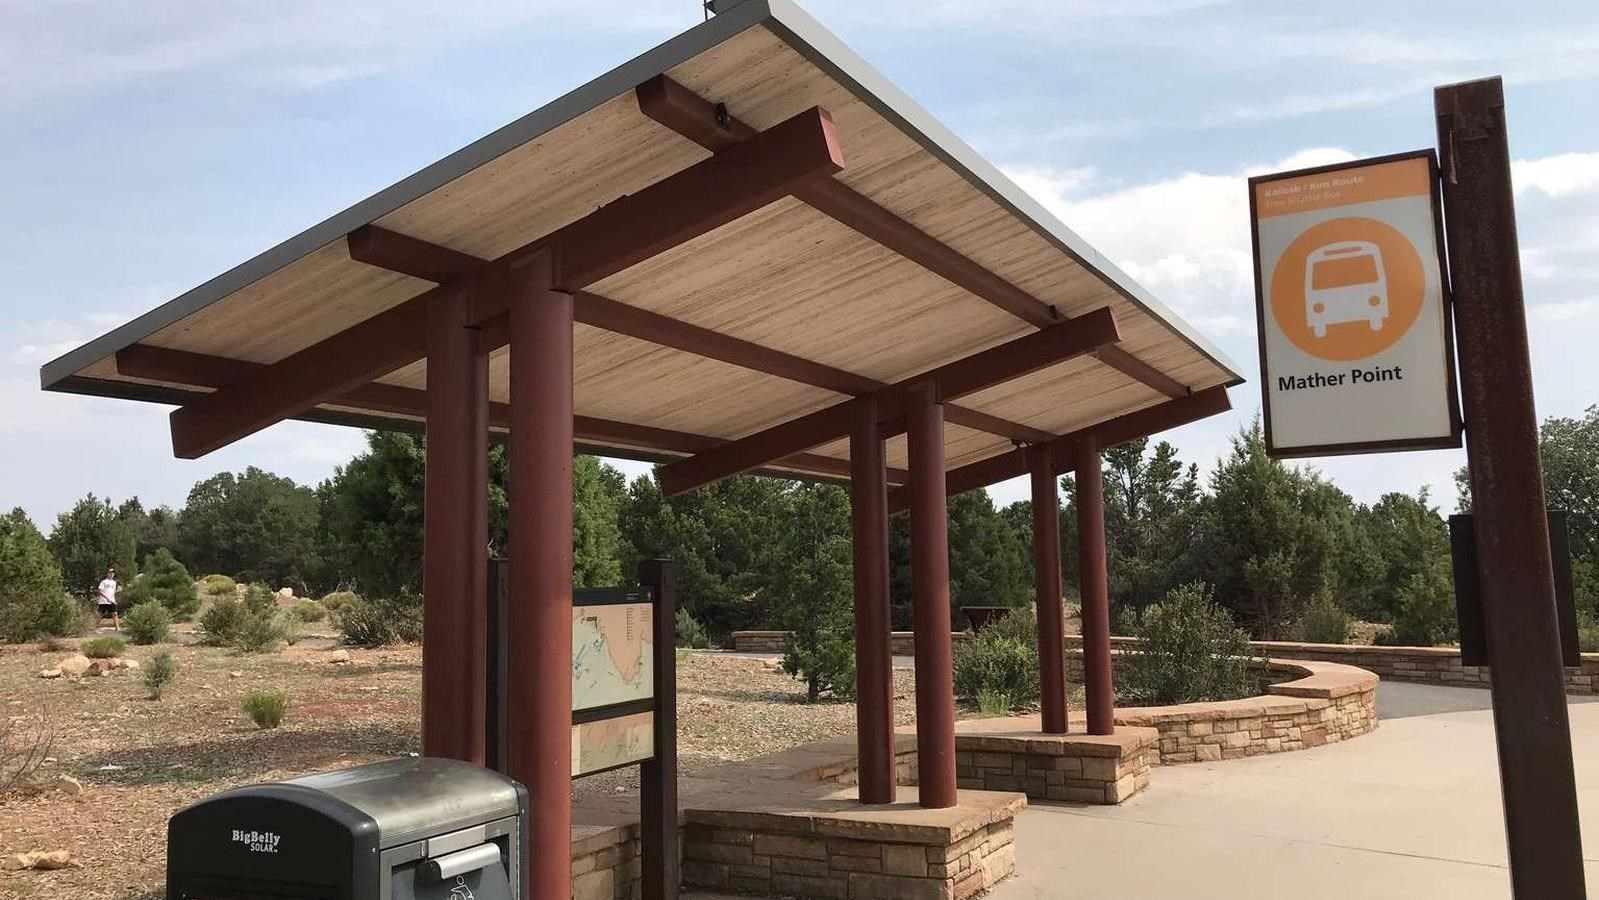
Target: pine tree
point(164, 581)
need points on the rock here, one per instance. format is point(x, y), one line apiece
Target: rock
point(74, 666)
point(107, 666)
point(130, 664)
point(285, 593)
point(339, 658)
point(43, 860)
point(50, 673)
point(235, 674)
point(70, 786)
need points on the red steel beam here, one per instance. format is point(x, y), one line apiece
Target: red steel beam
point(1093, 587)
point(455, 531)
point(1047, 590)
point(539, 612)
point(202, 370)
point(1131, 426)
point(674, 210)
point(935, 691)
point(874, 659)
point(989, 367)
point(697, 119)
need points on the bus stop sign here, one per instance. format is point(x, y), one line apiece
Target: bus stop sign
point(1355, 342)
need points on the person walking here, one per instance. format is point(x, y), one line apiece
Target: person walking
point(106, 599)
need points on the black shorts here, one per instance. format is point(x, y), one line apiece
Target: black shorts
point(107, 609)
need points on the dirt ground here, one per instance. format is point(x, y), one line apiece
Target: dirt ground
point(139, 760)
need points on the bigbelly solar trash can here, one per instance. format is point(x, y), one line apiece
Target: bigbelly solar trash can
point(405, 829)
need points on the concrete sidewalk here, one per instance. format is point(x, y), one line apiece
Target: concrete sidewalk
point(1409, 811)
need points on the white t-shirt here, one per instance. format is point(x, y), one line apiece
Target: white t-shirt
point(108, 591)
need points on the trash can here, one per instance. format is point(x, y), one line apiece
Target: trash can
point(404, 829)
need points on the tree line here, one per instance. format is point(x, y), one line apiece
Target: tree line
point(1279, 546)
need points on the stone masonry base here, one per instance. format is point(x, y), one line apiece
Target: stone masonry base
point(1012, 755)
point(845, 851)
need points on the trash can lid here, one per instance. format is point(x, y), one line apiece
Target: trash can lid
point(418, 797)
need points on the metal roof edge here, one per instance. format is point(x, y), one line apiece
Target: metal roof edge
point(655, 61)
point(825, 49)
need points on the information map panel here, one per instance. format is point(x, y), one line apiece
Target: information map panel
point(613, 654)
point(608, 743)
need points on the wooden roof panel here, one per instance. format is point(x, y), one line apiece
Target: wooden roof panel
point(793, 279)
point(786, 277)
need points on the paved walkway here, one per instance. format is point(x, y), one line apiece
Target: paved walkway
point(1409, 811)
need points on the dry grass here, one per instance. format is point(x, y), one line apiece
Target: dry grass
point(140, 760)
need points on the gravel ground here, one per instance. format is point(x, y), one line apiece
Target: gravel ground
point(139, 760)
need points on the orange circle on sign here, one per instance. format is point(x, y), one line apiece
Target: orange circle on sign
point(1347, 288)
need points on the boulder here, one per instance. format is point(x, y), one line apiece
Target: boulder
point(339, 658)
point(107, 666)
point(130, 664)
point(43, 860)
point(285, 593)
point(70, 786)
point(74, 666)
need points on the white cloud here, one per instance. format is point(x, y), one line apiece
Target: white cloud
point(70, 445)
point(1565, 312)
point(1557, 176)
point(48, 48)
point(1186, 238)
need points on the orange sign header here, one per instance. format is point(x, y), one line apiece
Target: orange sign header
point(1384, 181)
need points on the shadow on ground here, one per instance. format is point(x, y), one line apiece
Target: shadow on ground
point(235, 757)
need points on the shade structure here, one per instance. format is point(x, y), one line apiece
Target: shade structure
point(917, 254)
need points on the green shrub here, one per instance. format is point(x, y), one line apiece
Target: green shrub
point(377, 623)
point(309, 611)
point(825, 662)
point(259, 633)
point(689, 631)
point(103, 647)
point(1188, 650)
point(1588, 632)
point(260, 600)
point(160, 671)
point(219, 586)
point(147, 623)
point(993, 703)
point(1324, 622)
point(59, 615)
point(1000, 660)
point(222, 620)
point(336, 601)
point(265, 708)
point(1426, 610)
point(33, 601)
point(166, 581)
point(289, 626)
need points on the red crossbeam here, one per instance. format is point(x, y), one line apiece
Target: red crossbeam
point(201, 370)
point(993, 366)
point(1120, 430)
point(668, 213)
point(695, 118)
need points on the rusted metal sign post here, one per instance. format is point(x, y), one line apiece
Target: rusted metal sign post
point(1515, 569)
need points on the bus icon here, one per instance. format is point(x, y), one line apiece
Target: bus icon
point(1345, 282)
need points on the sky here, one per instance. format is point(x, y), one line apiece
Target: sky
point(145, 148)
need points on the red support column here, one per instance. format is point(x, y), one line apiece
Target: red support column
point(935, 675)
point(1046, 578)
point(874, 662)
point(539, 618)
point(1092, 585)
point(455, 534)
